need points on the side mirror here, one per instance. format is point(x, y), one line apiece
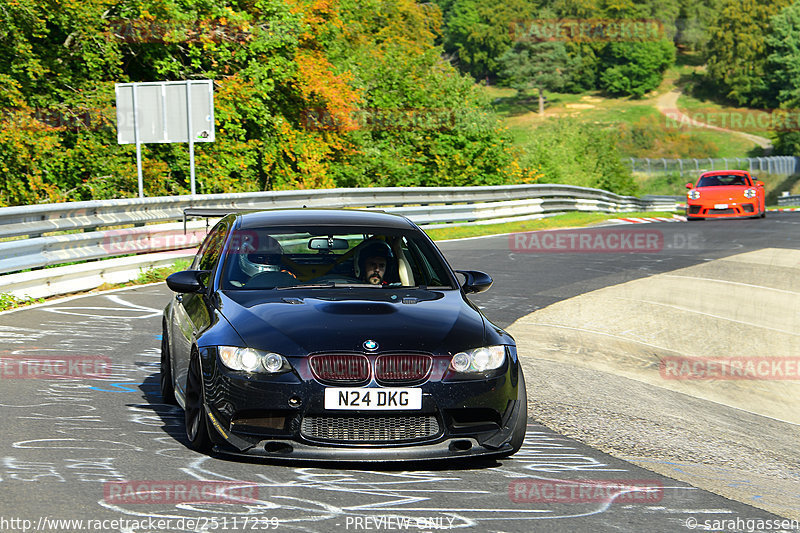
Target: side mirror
point(475, 281)
point(187, 281)
point(759, 184)
point(689, 186)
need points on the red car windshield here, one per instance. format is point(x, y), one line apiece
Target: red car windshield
point(723, 179)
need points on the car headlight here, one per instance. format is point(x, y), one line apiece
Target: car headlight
point(479, 359)
point(251, 360)
point(750, 193)
point(694, 194)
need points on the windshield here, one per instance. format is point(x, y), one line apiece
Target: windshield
point(716, 181)
point(281, 258)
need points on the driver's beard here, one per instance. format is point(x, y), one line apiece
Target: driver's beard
point(375, 279)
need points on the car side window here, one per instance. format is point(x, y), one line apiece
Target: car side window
point(214, 249)
point(211, 249)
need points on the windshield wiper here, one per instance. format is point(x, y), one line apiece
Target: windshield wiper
point(326, 285)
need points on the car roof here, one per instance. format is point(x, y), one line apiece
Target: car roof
point(725, 173)
point(322, 217)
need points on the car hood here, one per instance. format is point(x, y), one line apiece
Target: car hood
point(723, 192)
point(297, 323)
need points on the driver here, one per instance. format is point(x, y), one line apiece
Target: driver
point(373, 263)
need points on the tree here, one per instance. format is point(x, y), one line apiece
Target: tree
point(737, 51)
point(783, 60)
point(539, 65)
point(478, 33)
point(633, 69)
point(694, 23)
point(783, 68)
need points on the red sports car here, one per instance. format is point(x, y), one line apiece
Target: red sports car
point(726, 194)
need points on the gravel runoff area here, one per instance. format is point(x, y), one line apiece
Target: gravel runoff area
point(598, 370)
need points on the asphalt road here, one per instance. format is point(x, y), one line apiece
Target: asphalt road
point(75, 449)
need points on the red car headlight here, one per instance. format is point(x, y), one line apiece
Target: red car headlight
point(750, 193)
point(694, 194)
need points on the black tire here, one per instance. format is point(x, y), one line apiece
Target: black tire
point(194, 413)
point(764, 213)
point(692, 219)
point(165, 371)
point(518, 437)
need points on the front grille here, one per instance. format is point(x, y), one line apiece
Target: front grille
point(369, 429)
point(402, 368)
point(344, 368)
point(721, 211)
point(694, 209)
point(748, 208)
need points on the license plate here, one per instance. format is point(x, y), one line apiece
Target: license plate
point(720, 206)
point(382, 399)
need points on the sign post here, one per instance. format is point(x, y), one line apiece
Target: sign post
point(165, 112)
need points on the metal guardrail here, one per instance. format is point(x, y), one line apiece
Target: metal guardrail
point(155, 226)
point(783, 165)
point(789, 200)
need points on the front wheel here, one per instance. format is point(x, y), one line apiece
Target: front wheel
point(194, 413)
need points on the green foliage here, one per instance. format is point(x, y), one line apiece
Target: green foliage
point(9, 301)
point(154, 275)
point(783, 62)
point(537, 65)
point(478, 33)
point(694, 21)
point(649, 138)
point(635, 68)
point(276, 64)
point(737, 51)
point(572, 152)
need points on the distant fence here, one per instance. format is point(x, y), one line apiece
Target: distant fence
point(789, 200)
point(785, 165)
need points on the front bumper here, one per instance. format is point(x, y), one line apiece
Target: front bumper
point(269, 417)
point(734, 210)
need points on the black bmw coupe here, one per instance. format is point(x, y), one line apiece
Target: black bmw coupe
point(337, 335)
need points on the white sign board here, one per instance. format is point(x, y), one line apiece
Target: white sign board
point(165, 112)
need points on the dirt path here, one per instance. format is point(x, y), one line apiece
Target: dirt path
point(667, 105)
